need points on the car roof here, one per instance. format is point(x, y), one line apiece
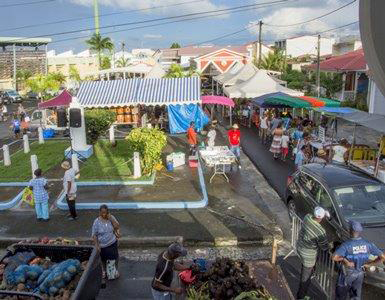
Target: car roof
point(339, 175)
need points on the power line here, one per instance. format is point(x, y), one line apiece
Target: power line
point(25, 3)
point(165, 23)
point(313, 19)
point(102, 15)
point(250, 6)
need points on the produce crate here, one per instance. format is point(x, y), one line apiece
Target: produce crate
point(91, 279)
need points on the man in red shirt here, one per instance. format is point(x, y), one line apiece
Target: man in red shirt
point(192, 138)
point(234, 135)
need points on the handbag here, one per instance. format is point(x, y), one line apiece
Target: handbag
point(27, 197)
point(111, 271)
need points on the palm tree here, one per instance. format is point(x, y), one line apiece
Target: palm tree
point(175, 45)
point(274, 61)
point(175, 71)
point(38, 84)
point(22, 76)
point(74, 74)
point(99, 44)
point(122, 62)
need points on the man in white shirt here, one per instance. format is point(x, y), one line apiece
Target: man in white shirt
point(340, 152)
point(70, 188)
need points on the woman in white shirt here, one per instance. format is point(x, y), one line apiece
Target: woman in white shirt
point(264, 126)
point(340, 152)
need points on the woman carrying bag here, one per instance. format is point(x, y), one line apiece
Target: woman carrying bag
point(105, 233)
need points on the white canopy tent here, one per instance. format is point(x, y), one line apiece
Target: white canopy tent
point(247, 71)
point(230, 73)
point(257, 85)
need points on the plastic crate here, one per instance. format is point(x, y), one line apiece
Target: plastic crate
point(91, 279)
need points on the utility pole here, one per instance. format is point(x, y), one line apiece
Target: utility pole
point(123, 44)
point(318, 66)
point(96, 16)
point(260, 45)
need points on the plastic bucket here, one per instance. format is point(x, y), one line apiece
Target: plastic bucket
point(170, 166)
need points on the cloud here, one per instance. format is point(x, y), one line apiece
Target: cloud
point(153, 36)
point(296, 13)
point(172, 6)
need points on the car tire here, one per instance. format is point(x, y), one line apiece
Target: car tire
point(291, 207)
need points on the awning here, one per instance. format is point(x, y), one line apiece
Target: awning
point(221, 100)
point(335, 111)
point(261, 100)
point(63, 99)
point(313, 101)
point(292, 102)
point(148, 91)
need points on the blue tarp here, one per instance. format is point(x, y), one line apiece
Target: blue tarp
point(337, 110)
point(180, 117)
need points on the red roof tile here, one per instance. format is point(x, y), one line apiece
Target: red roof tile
point(202, 50)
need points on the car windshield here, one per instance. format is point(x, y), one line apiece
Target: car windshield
point(363, 203)
point(12, 93)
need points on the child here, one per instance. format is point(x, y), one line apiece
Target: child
point(16, 127)
point(285, 145)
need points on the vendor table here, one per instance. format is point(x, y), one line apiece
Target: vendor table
point(218, 157)
point(368, 166)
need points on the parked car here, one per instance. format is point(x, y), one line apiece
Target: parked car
point(348, 194)
point(31, 96)
point(10, 96)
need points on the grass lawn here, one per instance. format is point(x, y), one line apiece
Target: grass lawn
point(109, 163)
point(49, 155)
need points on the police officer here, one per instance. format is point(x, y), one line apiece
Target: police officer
point(354, 256)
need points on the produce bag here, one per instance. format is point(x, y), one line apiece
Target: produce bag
point(28, 197)
point(112, 272)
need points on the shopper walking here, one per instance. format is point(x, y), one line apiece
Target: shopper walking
point(354, 257)
point(312, 238)
point(192, 138)
point(264, 127)
point(211, 135)
point(234, 136)
point(106, 233)
point(285, 145)
point(39, 187)
point(275, 147)
point(16, 127)
point(164, 273)
point(70, 189)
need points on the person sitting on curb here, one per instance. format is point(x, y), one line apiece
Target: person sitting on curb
point(164, 272)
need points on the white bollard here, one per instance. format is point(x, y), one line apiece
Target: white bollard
point(26, 143)
point(41, 138)
point(6, 156)
point(75, 162)
point(112, 134)
point(34, 165)
point(137, 170)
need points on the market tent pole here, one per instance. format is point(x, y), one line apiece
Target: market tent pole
point(334, 128)
point(231, 116)
point(353, 143)
point(293, 112)
point(378, 156)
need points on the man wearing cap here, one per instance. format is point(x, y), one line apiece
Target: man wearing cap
point(312, 237)
point(161, 284)
point(354, 255)
point(320, 158)
point(234, 135)
point(70, 188)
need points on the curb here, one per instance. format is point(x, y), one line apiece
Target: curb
point(165, 241)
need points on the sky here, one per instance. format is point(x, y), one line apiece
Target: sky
point(49, 18)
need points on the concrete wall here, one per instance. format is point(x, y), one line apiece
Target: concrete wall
point(84, 65)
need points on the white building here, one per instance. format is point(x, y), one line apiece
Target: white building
point(346, 44)
point(305, 45)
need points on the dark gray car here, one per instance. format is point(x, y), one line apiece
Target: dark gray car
point(348, 194)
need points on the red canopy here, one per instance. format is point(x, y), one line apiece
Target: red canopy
point(64, 99)
point(212, 99)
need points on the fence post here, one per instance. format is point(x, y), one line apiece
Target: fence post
point(112, 134)
point(26, 143)
point(6, 156)
point(274, 252)
point(34, 165)
point(41, 138)
point(75, 162)
point(137, 170)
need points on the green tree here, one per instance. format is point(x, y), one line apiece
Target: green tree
point(38, 84)
point(122, 62)
point(41, 84)
point(105, 63)
point(193, 72)
point(175, 71)
point(74, 74)
point(274, 61)
point(295, 79)
point(22, 76)
point(175, 45)
point(331, 82)
point(98, 121)
point(99, 44)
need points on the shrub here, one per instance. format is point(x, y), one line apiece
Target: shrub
point(97, 123)
point(149, 142)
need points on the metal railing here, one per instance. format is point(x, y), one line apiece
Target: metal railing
point(324, 268)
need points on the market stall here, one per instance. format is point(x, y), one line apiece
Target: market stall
point(218, 157)
point(219, 100)
point(132, 98)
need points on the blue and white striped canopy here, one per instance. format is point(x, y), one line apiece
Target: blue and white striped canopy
point(151, 91)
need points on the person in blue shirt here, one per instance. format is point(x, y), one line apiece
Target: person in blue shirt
point(354, 255)
point(39, 187)
point(16, 127)
point(299, 157)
